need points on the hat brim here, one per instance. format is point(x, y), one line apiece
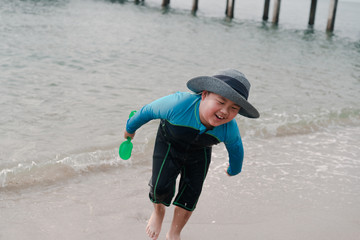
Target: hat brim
point(215, 85)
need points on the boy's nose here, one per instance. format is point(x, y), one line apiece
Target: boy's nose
point(224, 111)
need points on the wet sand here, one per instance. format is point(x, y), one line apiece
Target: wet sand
point(114, 205)
point(293, 193)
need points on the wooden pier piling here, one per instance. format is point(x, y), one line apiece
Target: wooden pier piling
point(332, 14)
point(229, 11)
point(194, 6)
point(312, 12)
point(165, 3)
point(266, 10)
point(276, 11)
point(230, 4)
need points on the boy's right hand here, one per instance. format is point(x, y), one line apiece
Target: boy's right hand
point(126, 135)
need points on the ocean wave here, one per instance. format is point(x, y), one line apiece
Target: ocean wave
point(285, 124)
point(62, 168)
point(26, 175)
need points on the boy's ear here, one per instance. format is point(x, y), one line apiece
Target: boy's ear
point(204, 94)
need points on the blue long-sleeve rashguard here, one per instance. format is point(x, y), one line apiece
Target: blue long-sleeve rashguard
point(181, 112)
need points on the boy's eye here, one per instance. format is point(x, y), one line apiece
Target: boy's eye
point(220, 102)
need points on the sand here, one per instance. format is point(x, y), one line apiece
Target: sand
point(114, 205)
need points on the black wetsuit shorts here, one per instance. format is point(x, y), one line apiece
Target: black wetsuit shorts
point(171, 159)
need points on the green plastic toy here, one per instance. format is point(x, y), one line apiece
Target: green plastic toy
point(125, 149)
point(127, 146)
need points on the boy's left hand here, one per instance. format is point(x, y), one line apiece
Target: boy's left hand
point(225, 169)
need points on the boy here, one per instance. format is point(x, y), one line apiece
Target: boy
point(190, 124)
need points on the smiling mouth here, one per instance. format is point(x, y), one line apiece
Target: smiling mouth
point(219, 117)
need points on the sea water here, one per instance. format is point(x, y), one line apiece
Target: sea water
point(72, 70)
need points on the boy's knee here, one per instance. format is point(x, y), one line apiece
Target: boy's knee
point(161, 194)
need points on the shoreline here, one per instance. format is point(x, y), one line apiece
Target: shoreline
point(113, 205)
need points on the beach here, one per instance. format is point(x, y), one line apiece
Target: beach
point(262, 203)
point(73, 70)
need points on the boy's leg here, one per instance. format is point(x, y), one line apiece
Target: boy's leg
point(164, 171)
point(181, 216)
point(162, 184)
point(191, 183)
point(153, 227)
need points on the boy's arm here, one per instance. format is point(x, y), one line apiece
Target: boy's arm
point(159, 109)
point(235, 148)
point(236, 157)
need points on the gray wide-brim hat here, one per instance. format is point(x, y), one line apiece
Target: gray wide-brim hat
point(230, 84)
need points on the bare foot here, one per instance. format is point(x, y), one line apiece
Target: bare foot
point(153, 227)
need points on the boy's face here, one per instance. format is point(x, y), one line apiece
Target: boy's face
point(216, 110)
